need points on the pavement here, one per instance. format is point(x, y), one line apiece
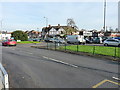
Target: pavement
point(38, 68)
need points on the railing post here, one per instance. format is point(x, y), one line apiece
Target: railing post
point(93, 50)
point(65, 46)
point(47, 45)
point(118, 52)
point(77, 47)
point(115, 53)
point(55, 45)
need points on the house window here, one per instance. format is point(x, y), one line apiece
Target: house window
point(61, 32)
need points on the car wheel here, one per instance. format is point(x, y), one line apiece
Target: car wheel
point(105, 44)
point(119, 45)
point(83, 43)
point(8, 45)
point(79, 43)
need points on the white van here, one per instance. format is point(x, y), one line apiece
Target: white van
point(76, 39)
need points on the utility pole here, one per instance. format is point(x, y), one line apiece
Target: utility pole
point(47, 29)
point(1, 23)
point(46, 21)
point(104, 16)
point(119, 16)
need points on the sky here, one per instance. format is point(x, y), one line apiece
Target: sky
point(30, 15)
point(119, 16)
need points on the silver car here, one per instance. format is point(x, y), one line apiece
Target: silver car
point(112, 42)
point(59, 40)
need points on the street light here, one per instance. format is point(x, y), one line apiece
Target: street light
point(46, 21)
point(46, 28)
point(104, 15)
point(1, 24)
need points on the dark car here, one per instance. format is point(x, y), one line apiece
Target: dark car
point(48, 39)
point(37, 39)
point(117, 38)
point(88, 41)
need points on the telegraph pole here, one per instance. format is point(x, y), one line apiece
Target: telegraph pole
point(1, 23)
point(46, 21)
point(46, 28)
point(104, 16)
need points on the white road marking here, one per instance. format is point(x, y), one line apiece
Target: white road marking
point(115, 78)
point(60, 62)
point(45, 57)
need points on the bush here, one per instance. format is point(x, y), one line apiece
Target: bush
point(19, 35)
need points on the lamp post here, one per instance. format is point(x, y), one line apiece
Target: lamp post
point(46, 28)
point(104, 15)
point(1, 24)
point(46, 21)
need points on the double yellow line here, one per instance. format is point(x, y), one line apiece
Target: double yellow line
point(102, 82)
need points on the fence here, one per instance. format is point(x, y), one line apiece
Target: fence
point(95, 50)
point(4, 77)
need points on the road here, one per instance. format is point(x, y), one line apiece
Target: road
point(38, 68)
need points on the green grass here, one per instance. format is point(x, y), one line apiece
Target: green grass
point(109, 51)
point(27, 42)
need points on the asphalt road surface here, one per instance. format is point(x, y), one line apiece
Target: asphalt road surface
point(38, 68)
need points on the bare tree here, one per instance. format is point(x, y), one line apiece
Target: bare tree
point(110, 29)
point(71, 23)
point(116, 30)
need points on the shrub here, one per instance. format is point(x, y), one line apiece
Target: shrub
point(19, 35)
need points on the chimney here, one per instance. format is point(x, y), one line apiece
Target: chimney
point(58, 25)
point(49, 25)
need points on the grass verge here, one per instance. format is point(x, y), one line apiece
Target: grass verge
point(102, 50)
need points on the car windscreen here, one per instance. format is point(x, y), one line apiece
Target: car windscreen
point(5, 40)
point(11, 40)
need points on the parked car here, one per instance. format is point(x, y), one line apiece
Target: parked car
point(52, 39)
point(30, 39)
point(76, 39)
point(59, 40)
point(112, 42)
point(117, 38)
point(48, 39)
point(88, 41)
point(104, 38)
point(9, 42)
point(37, 39)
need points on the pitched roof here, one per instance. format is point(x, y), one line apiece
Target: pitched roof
point(32, 31)
point(46, 29)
